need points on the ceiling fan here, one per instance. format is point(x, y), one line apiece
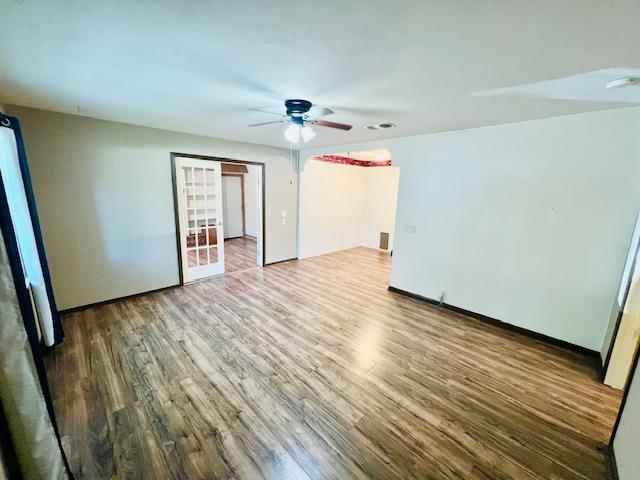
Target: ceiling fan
point(301, 114)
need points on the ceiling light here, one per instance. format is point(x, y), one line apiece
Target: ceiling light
point(307, 133)
point(292, 133)
point(624, 82)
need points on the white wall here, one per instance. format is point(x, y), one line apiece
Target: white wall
point(528, 222)
point(379, 206)
point(105, 199)
point(331, 200)
point(626, 444)
point(232, 206)
point(251, 200)
point(345, 206)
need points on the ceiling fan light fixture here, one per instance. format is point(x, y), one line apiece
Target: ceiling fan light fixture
point(292, 133)
point(299, 120)
point(307, 133)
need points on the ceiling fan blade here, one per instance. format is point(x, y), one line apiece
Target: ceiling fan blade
point(270, 110)
point(316, 112)
point(340, 126)
point(265, 123)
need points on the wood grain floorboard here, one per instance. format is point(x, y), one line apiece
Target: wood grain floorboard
point(240, 254)
point(311, 369)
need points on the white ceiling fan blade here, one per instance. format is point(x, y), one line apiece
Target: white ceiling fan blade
point(270, 110)
point(317, 112)
point(265, 123)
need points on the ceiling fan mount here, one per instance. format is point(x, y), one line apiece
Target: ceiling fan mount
point(300, 114)
point(297, 107)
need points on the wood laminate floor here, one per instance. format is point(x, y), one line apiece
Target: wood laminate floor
point(240, 254)
point(312, 369)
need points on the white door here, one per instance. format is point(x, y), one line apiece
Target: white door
point(232, 201)
point(200, 217)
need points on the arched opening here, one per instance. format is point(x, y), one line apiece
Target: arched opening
point(348, 200)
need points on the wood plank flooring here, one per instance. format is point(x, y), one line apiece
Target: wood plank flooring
point(311, 369)
point(239, 254)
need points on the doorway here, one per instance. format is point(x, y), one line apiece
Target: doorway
point(241, 200)
point(348, 200)
point(210, 202)
point(624, 340)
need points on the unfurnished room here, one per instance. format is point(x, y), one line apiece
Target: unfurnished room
point(319, 240)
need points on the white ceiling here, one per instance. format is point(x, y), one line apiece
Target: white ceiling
point(198, 66)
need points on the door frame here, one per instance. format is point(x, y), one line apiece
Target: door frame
point(174, 181)
point(634, 249)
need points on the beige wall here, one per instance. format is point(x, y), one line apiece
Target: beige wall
point(105, 200)
point(380, 203)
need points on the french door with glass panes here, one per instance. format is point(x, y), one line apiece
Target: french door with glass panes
point(199, 195)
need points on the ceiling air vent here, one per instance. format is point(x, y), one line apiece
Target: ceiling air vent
point(381, 126)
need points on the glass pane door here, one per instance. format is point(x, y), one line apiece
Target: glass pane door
point(200, 215)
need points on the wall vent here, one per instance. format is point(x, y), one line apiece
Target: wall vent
point(384, 240)
point(381, 126)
